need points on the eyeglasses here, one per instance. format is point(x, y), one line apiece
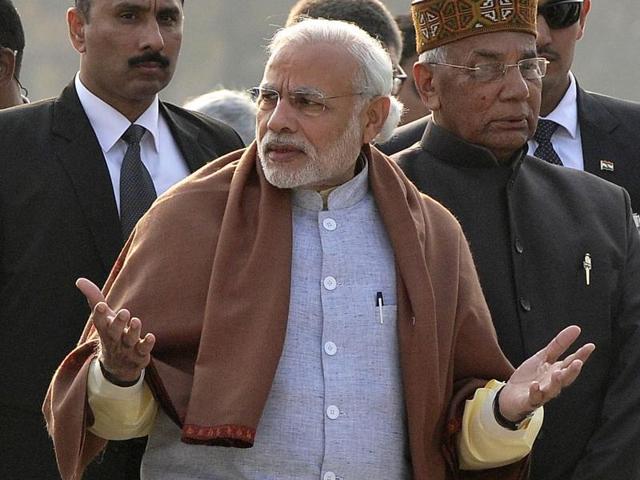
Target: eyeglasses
point(561, 14)
point(308, 103)
point(530, 69)
point(25, 92)
point(399, 77)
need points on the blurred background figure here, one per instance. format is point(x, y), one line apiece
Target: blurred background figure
point(233, 107)
point(370, 15)
point(408, 95)
point(11, 49)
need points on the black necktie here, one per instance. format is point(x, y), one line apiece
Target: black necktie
point(545, 151)
point(137, 192)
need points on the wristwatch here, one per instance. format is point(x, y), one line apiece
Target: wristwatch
point(504, 422)
point(112, 379)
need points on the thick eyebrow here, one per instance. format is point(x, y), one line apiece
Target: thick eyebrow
point(137, 7)
point(496, 56)
point(488, 54)
point(126, 4)
point(268, 86)
point(173, 11)
point(304, 90)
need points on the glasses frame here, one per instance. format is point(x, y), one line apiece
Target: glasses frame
point(399, 77)
point(505, 67)
point(543, 11)
point(256, 91)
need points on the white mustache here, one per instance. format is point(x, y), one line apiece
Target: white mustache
point(273, 141)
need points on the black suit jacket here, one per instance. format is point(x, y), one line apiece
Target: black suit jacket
point(610, 128)
point(59, 221)
point(529, 226)
point(405, 136)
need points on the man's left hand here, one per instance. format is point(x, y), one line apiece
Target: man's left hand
point(542, 377)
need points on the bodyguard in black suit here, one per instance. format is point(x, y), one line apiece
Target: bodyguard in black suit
point(609, 128)
point(596, 133)
point(552, 246)
point(59, 218)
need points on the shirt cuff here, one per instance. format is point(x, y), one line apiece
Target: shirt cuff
point(119, 413)
point(483, 443)
point(100, 386)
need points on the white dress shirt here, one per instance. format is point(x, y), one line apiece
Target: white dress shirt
point(567, 141)
point(109, 125)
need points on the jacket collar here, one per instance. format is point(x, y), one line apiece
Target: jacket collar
point(451, 149)
point(76, 147)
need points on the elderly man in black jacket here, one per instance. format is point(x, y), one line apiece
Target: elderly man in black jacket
point(552, 245)
point(595, 133)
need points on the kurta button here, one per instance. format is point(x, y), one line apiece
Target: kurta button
point(524, 303)
point(330, 224)
point(329, 476)
point(333, 412)
point(518, 245)
point(330, 348)
point(330, 283)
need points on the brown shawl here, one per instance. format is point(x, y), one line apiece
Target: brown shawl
point(208, 272)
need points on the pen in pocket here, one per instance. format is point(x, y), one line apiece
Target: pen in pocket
point(380, 304)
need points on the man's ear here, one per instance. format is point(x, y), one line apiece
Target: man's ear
point(586, 7)
point(423, 78)
point(7, 65)
point(375, 116)
point(76, 23)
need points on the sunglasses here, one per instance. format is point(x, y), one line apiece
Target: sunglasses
point(561, 14)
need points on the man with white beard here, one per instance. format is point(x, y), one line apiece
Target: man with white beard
point(303, 299)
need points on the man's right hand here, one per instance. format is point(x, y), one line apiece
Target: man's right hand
point(123, 353)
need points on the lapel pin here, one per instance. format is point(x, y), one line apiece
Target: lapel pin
point(607, 166)
point(586, 264)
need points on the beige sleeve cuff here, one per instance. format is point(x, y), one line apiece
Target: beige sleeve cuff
point(119, 413)
point(483, 443)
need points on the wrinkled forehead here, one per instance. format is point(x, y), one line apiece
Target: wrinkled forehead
point(494, 46)
point(323, 67)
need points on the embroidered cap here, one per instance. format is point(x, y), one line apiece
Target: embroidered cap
point(438, 22)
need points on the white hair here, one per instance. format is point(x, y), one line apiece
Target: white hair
point(375, 76)
point(435, 55)
point(233, 107)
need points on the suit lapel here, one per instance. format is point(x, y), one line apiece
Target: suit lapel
point(187, 137)
point(76, 147)
point(596, 124)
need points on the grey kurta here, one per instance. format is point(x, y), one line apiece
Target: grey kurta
point(336, 408)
